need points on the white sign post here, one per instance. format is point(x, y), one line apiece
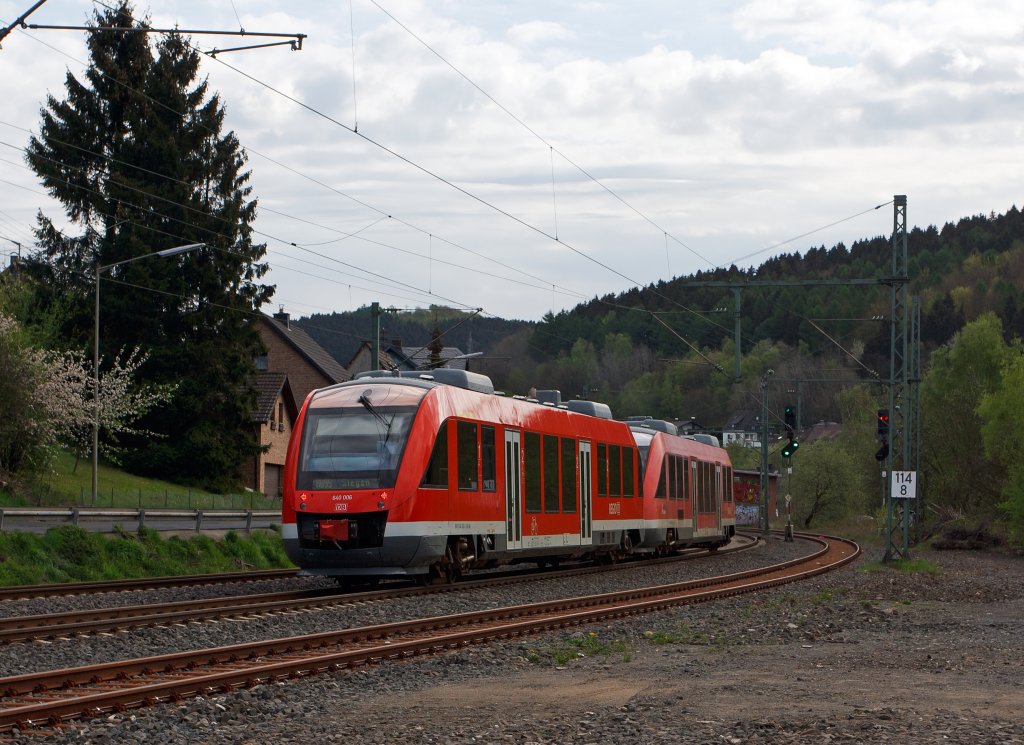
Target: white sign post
point(904, 485)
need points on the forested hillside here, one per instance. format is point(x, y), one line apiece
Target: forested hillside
point(668, 349)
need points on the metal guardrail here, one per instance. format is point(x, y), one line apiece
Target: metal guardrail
point(75, 515)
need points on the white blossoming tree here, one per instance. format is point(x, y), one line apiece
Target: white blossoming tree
point(49, 397)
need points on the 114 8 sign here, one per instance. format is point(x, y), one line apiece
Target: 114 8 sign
point(904, 485)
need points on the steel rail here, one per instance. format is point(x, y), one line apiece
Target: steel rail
point(23, 592)
point(50, 698)
point(54, 626)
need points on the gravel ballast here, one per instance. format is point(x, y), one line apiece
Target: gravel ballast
point(852, 656)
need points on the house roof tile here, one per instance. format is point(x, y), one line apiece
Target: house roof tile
point(313, 352)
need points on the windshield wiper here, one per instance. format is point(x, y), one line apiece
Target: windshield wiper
point(368, 405)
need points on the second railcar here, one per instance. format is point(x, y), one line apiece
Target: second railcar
point(687, 490)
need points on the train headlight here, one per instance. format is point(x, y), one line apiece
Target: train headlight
point(302, 505)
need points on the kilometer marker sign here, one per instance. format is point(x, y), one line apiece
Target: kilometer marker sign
point(904, 485)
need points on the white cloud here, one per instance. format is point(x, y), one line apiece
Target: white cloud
point(741, 125)
point(537, 32)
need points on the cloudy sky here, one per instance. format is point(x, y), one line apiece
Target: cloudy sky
point(523, 157)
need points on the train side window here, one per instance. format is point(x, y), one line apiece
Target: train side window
point(531, 471)
point(614, 471)
point(710, 487)
point(569, 479)
point(662, 485)
point(684, 484)
point(727, 485)
point(436, 476)
point(551, 473)
point(698, 488)
point(488, 458)
point(673, 480)
point(602, 470)
point(705, 486)
point(691, 485)
point(628, 469)
point(466, 453)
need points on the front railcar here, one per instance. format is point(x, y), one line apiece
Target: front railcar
point(344, 480)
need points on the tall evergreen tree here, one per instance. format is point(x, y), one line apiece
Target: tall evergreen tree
point(137, 156)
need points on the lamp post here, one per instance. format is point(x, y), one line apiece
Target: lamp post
point(96, 353)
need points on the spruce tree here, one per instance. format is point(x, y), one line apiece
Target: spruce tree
point(136, 154)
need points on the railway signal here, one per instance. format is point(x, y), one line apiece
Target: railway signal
point(790, 418)
point(789, 448)
point(883, 422)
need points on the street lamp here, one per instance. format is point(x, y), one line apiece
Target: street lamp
point(96, 354)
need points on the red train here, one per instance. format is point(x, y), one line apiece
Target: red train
point(433, 475)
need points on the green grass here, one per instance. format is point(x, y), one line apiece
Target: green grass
point(68, 554)
point(578, 646)
point(67, 485)
point(908, 566)
point(685, 635)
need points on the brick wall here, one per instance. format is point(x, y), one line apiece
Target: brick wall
point(253, 471)
point(283, 358)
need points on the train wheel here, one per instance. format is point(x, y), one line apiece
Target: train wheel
point(440, 573)
point(449, 569)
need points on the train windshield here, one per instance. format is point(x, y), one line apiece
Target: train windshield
point(356, 443)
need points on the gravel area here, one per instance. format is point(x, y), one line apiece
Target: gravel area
point(853, 656)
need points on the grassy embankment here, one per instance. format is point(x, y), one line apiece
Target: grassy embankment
point(67, 553)
point(68, 485)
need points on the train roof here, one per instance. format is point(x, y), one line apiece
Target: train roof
point(478, 383)
point(465, 379)
point(640, 424)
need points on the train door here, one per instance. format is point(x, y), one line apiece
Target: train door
point(513, 490)
point(708, 513)
point(586, 496)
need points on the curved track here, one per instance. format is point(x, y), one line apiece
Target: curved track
point(50, 698)
point(55, 626)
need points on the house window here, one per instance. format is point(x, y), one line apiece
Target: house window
point(280, 416)
point(262, 363)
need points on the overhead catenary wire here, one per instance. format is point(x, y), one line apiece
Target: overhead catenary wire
point(483, 201)
point(278, 163)
point(269, 236)
point(389, 281)
point(446, 181)
point(533, 132)
point(284, 241)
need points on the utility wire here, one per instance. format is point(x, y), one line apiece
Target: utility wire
point(278, 163)
point(469, 194)
point(529, 129)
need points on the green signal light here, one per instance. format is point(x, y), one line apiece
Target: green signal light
point(789, 448)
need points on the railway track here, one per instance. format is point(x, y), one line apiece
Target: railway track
point(24, 592)
point(51, 698)
point(56, 626)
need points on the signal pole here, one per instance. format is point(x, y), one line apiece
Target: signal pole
point(764, 452)
point(900, 439)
